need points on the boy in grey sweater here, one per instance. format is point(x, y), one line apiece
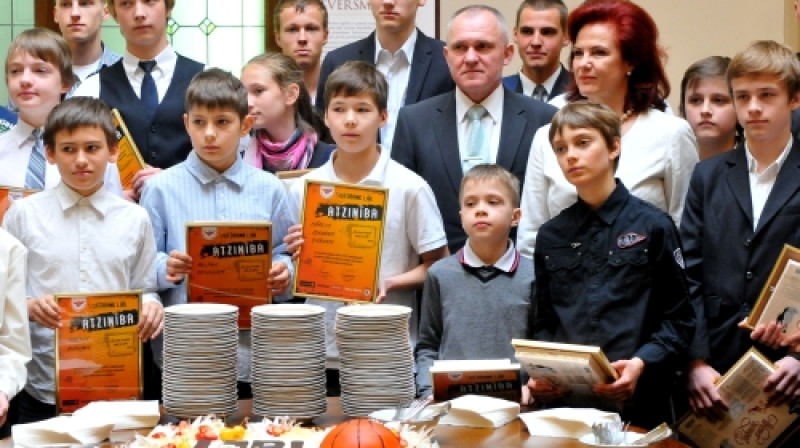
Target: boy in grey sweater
point(478, 299)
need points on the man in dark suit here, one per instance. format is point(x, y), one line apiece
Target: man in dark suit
point(741, 208)
point(415, 61)
point(434, 137)
point(540, 34)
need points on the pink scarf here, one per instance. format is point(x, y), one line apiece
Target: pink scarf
point(293, 154)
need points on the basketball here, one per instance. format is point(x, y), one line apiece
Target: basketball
point(360, 433)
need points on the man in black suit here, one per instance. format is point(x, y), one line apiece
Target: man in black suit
point(540, 34)
point(434, 136)
point(414, 62)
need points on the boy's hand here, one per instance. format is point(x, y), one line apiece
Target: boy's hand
point(783, 386)
point(543, 390)
point(770, 334)
point(704, 398)
point(45, 311)
point(384, 286)
point(278, 277)
point(792, 341)
point(294, 240)
point(3, 407)
point(178, 265)
point(623, 388)
point(140, 178)
point(151, 322)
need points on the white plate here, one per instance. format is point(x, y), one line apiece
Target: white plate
point(629, 437)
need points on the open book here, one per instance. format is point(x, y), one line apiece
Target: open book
point(493, 377)
point(749, 422)
point(478, 411)
point(573, 368)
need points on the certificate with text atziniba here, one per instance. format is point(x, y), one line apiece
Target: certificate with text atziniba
point(343, 236)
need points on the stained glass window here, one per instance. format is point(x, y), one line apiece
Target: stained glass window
point(15, 16)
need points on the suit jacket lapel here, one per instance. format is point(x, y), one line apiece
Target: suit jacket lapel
point(445, 128)
point(511, 130)
point(561, 84)
point(421, 62)
point(786, 185)
point(518, 89)
point(738, 181)
point(367, 52)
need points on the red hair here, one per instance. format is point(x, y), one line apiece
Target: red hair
point(637, 38)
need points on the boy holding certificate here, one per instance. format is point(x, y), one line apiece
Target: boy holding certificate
point(80, 238)
point(355, 109)
point(476, 301)
point(609, 272)
point(214, 184)
point(742, 207)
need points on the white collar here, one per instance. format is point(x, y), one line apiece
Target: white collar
point(528, 85)
point(493, 104)
point(752, 163)
point(507, 262)
point(407, 48)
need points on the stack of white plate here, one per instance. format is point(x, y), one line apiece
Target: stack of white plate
point(199, 373)
point(376, 362)
point(288, 349)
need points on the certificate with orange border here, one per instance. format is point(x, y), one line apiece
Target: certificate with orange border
point(10, 194)
point(98, 353)
point(343, 236)
point(129, 159)
point(230, 264)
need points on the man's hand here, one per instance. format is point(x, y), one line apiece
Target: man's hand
point(3, 407)
point(543, 391)
point(45, 311)
point(703, 396)
point(151, 321)
point(783, 386)
point(178, 265)
point(294, 240)
point(623, 388)
point(770, 334)
point(139, 179)
point(278, 277)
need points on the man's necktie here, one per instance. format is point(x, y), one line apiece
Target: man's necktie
point(477, 144)
point(539, 93)
point(34, 177)
point(149, 93)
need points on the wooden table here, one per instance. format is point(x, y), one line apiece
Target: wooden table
point(514, 434)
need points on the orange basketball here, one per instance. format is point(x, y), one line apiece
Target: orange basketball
point(360, 433)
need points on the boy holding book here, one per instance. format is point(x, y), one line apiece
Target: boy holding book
point(476, 301)
point(355, 109)
point(80, 238)
point(38, 75)
point(214, 184)
point(742, 207)
point(609, 272)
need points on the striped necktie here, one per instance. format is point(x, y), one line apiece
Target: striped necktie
point(477, 145)
point(539, 93)
point(34, 177)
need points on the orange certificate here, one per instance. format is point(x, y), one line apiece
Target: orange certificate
point(230, 264)
point(10, 194)
point(343, 236)
point(129, 160)
point(97, 349)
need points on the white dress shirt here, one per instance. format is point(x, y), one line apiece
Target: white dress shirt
point(15, 151)
point(528, 85)
point(85, 244)
point(15, 342)
point(162, 75)
point(396, 68)
point(761, 184)
point(491, 121)
point(658, 155)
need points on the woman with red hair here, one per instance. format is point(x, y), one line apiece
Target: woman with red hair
point(616, 61)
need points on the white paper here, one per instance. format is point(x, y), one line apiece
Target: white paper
point(127, 414)
point(62, 430)
point(478, 411)
point(565, 422)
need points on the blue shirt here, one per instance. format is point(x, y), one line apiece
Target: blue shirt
point(193, 191)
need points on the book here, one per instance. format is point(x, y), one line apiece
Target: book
point(478, 411)
point(749, 422)
point(779, 300)
point(573, 368)
point(129, 159)
point(497, 378)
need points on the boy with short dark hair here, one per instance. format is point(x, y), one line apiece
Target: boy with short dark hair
point(609, 272)
point(476, 301)
point(355, 108)
point(80, 238)
point(214, 184)
point(742, 207)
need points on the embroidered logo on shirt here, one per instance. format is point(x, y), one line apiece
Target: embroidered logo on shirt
point(678, 257)
point(629, 239)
